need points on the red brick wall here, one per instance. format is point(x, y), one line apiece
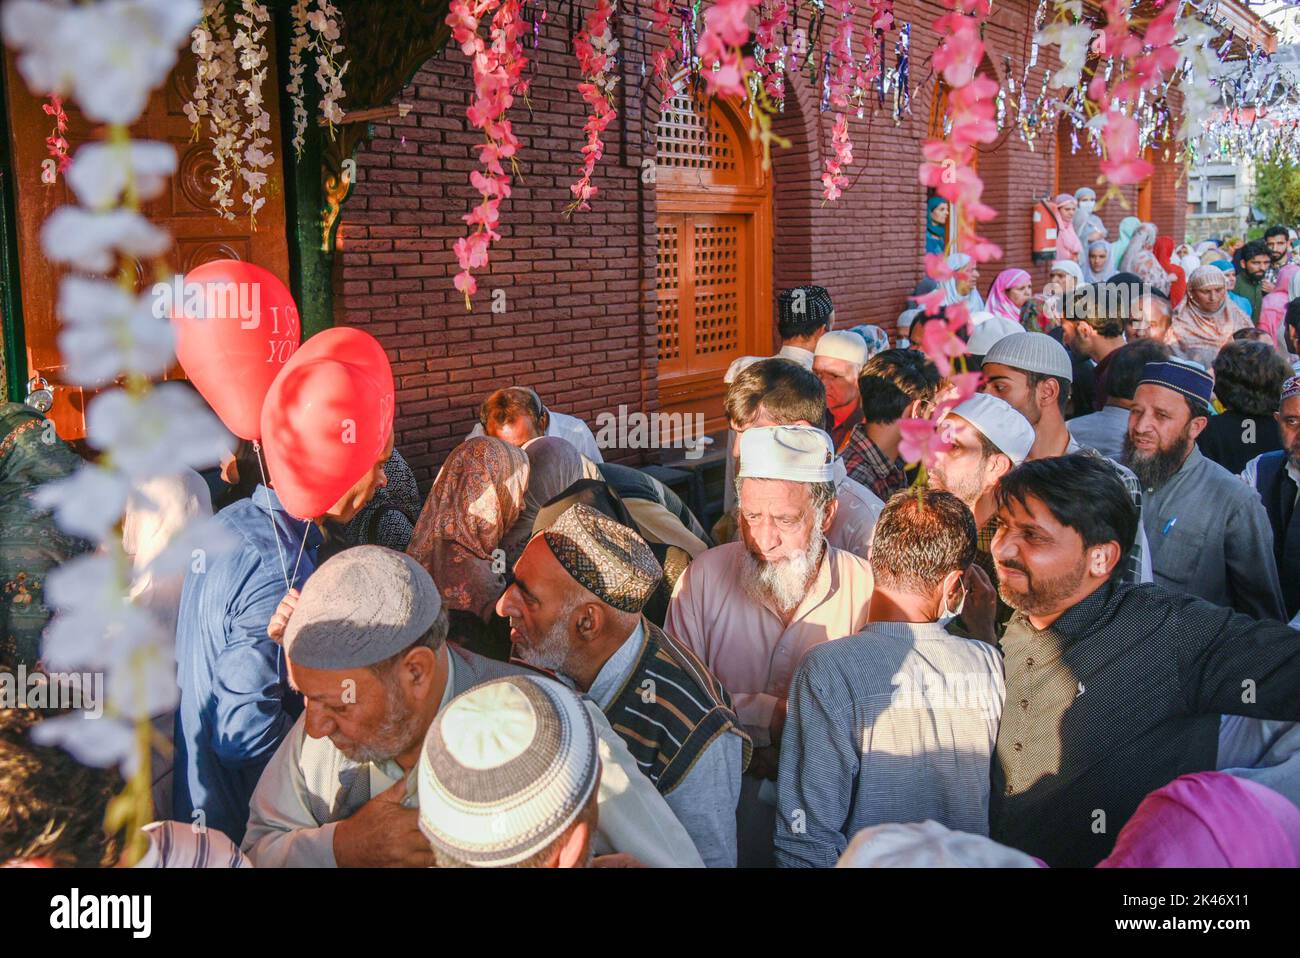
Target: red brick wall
point(579, 322)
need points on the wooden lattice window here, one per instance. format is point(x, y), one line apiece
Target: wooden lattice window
point(693, 142)
point(670, 347)
point(713, 267)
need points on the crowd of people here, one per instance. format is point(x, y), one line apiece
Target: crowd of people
point(1068, 641)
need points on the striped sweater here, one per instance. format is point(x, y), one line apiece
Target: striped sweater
point(670, 709)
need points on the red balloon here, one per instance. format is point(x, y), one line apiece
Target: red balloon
point(236, 328)
point(327, 419)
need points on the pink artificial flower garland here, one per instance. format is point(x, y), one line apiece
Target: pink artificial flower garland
point(498, 78)
point(594, 47)
point(949, 169)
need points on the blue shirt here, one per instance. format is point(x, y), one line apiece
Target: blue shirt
point(894, 724)
point(235, 704)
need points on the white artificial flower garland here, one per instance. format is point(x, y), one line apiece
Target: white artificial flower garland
point(112, 335)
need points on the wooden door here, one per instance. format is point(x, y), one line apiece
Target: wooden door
point(714, 226)
point(184, 210)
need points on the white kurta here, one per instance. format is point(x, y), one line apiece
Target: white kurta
point(304, 793)
point(745, 643)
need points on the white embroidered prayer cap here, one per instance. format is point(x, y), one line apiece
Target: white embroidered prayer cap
point(796, 453)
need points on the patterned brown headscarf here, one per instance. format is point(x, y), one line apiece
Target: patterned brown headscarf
point(475, 499)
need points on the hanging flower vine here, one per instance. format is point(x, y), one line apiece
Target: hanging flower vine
point(110, 334)
point(230, 75)
point(595, 47)
point(497, 71)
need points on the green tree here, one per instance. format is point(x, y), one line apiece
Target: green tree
point(1277, 192)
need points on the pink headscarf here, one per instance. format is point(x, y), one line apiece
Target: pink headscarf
point(1210, 820)
point(1272, 307)
point(999, 304)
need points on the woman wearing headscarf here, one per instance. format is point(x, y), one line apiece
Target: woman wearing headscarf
point(1140, 259)
point(1230, 277)
point(1064, 277)
point(1207, 318)
point(1068, 244)
point(1188, 259)
point(476, 498)
point(1097, 265)
point(1164, 254)
point(1209, 820)
point(1010, 291)
point(1127, 227)
point(936, 225)
point(1087, 224)
point(962, 290)
point(31, 544)
point(554, 464)
point(389, 518)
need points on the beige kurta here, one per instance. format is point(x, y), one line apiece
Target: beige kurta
point(745, 643)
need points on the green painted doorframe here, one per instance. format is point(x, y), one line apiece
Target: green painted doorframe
point(310, 267)
point(11, 302)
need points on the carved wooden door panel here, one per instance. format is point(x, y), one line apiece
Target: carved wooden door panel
point(184, 210)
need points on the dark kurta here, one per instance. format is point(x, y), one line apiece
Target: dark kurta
point(1120, 696)
point(1224, 440)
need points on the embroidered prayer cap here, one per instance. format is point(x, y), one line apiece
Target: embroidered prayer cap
point(1182, 376)
point(796, 453)
point(990, 331)
point(607, 558)
point(1291, 388)
point(843, 344)
point(505, 769)
point(928, 845)
point(1000, 423)
point(797, 306)
point(360, 607)
point(1032, 353)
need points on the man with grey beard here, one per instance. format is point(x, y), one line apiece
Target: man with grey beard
point(1209, 533)
point(575, 609)
point(366, 646)
point(752, 609)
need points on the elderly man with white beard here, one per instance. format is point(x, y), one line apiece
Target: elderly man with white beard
point(366, 647)
point(752, 609)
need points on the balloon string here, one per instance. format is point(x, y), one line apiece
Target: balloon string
point(275, 532)
point(305, 531)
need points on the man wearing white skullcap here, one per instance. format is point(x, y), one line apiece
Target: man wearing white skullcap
point(929, 845)
point(508, 778)
point(365, 644)
point(839, 357)
point(988, 333)
point(752, 609)
point(898, 722)
point(988, 438)
point(777, 392)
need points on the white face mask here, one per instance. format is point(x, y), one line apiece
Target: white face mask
point(946, 615)
point(1086, 207)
